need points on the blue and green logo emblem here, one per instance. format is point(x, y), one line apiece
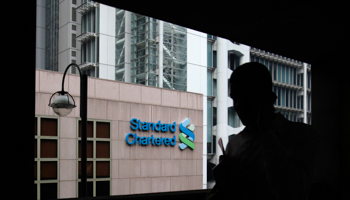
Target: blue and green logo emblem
point(186, 136)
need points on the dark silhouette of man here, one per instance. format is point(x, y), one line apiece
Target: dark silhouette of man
point(272, 158)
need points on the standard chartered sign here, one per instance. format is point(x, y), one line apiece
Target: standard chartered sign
point(186, 136)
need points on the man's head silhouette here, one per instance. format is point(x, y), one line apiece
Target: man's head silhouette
point(251, 91)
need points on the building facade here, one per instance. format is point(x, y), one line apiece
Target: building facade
point(119, 47)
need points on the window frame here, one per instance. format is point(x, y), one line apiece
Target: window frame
point(94, 180)
point(38, 182)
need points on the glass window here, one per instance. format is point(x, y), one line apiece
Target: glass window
point(214, 117)
point(209, 83)
point(46, 148)
point(261, 60)
point(214, 59)
point(230, 117)
point(279, 72)
point(287, 97)
point(283, 97)
point(287, 74)
point(209, 55)
point(308, 102)
point(274, 71)
point(214, 87)
point(274, 90)
point(209, 127)
point(278, 96)
point(283, 74)
point(99, 157)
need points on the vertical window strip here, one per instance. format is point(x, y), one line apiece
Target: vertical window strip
point(74, 40)
point(96, 160)
point(209, 55)
point(48, 187)
point(209, 127)
point(74, 15)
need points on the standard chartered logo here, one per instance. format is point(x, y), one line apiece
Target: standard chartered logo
point(186, 136)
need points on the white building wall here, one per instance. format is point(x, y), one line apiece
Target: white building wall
point(197, 80)
point(107, 42)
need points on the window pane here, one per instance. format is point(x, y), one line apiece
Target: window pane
point(48, 170)
point(48, 127)
point(214, 88)
point(90, 189)
point(89, 147)
point(36, 129)
point(209, 55)
point(48, 149)
point(35, 148)
point(35, 170)
point(89, 129)
point(89, 169)
point(102, 169)
point(283, 96)
point(287, 97)
point(102, 130)
point(35, 191)
point(214, 117)
point(102, 149)
point(48, 191)
point(214, 59)
point(209, 83)
point(102, 188)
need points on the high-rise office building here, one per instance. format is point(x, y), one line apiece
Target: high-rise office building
point(122, 46)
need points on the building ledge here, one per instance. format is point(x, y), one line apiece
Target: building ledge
point(287, 85)
point(276, 58)
point(86, 7)
point(88, 65)
point(283, 108)
point(86, 36)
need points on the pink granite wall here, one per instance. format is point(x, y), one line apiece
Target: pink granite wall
point(134, 169)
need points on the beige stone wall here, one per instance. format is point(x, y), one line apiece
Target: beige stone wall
point(134, 169)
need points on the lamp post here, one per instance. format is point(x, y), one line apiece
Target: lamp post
point(62, 105)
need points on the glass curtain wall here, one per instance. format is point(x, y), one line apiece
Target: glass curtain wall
point(174, 57)
point(51, 35)
point(120, 45)
point(144, 53)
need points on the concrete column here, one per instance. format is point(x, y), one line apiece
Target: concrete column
point(127, 65)
point(160, 54)
point(222, 96)
point(305, 91)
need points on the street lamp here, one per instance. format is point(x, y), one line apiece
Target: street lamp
point(62, 105)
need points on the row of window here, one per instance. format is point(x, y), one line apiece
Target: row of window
point(281, 72)
point(288, 98)
point(46, 160)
